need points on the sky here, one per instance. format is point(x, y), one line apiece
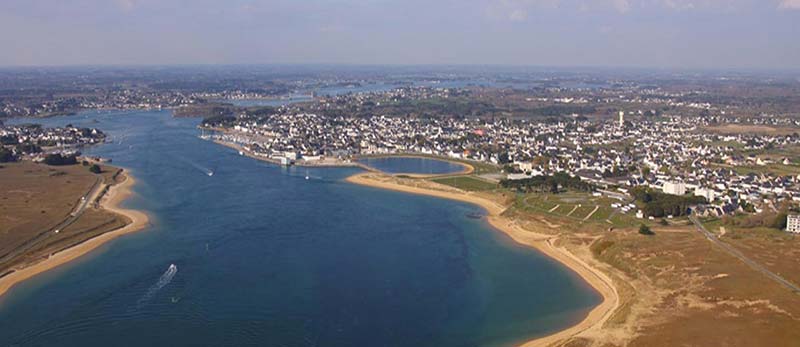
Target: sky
point(601, 33)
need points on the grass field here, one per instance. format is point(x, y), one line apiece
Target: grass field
point(467, 183)
point(577, 206)
point(34, 198)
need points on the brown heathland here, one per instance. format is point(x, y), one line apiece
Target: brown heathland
point(38, 200)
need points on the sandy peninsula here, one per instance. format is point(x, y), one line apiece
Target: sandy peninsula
point(544, 243)
point(111, 201)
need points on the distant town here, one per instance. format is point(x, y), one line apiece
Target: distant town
point(670, 153)
point(675, 195)
point(34, 142)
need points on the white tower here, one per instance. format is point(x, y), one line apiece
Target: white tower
point(621, 119)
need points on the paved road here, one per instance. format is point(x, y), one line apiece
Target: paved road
point(73, 216)
point(736, 253)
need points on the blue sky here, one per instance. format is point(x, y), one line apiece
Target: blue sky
point(627, 33)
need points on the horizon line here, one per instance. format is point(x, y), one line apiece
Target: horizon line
point(411, 65)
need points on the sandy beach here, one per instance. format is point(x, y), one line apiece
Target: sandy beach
point(544, 243)
point(111, 201)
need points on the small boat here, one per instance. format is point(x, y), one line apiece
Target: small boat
point(211, 173)
point(241, 153)
point(307, 177)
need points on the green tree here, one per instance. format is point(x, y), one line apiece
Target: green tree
point(504, 158)
point(645, 230)
point(95, 169)
point(780, 221)
point(58, 159)
point(6, 155)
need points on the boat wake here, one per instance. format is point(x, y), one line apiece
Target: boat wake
point(208, 171)
point(165, 279)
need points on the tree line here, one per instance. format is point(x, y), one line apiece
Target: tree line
point(658, 204)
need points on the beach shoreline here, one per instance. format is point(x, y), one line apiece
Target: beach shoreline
point(111, 201)
point(599, 281)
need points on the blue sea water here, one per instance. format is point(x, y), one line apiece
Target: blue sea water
point(412, 165)
point(265, 257)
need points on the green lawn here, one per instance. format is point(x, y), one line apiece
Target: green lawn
point(467, 183)
point(583, 211)
point(602, 213)
point(566, 202)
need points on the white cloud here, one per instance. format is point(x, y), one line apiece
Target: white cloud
point(790, 5)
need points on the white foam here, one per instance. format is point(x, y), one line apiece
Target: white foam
point(165, 279)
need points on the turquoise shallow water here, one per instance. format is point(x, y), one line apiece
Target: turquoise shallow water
point(267, 258)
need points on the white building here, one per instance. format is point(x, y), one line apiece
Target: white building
point(706, 193)
point(621, 119)
point(517, 176)
point(290, 155)
point(793, 223)
point(674, 188)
